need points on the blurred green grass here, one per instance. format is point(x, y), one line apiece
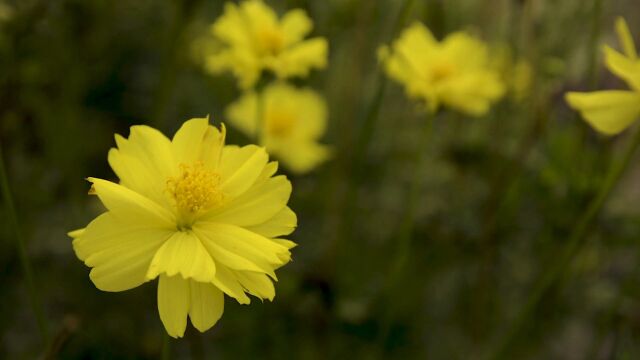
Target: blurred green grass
point(75, 72)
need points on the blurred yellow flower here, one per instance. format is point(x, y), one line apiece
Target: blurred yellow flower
point(455, 72)
point(203, 217)
point(253, 39)
point(612, 111)
point(516, 73)
point(292, 121)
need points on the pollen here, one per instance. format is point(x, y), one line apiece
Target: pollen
point(196, 189)
point(280, 123)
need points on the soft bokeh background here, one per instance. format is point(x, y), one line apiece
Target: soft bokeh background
point(498, 195)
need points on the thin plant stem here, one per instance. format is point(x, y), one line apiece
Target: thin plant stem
point(406, 229)
point(368, 125)
point(14, 225)
point(596, 30)
point(572, 247)
point(166, 346)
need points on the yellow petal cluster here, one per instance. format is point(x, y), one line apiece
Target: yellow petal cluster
point(455, 72)
point(204, 218)
point(291, 122)
point(516, 73)
point(612, 111)
point(254, 39)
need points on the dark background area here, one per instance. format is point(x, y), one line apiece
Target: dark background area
point(498, 195)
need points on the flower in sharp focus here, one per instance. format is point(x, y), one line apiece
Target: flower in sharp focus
point(612, 111)
point(252, 39)
point(455, 72)
point(291, 121)
point(203, 217)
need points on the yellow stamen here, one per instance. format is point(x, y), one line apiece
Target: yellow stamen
point(196, 189)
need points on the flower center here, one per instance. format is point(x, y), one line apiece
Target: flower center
point(270, 41)
point(280, 123)
point(194, 190)
point(441, 71)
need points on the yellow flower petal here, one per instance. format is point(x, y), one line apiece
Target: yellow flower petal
point(76, 233)
point(151, 147)
point(307, 156)
point(229, 258)
point(240, 167)
point(137, 176)
point(242, 113)
point(257, 284)
point(295, 26)
point(173, 304)
point(626, 40)
point(251, 247)
point(206, 306)
point(229, 284)
point(609, 112)
point(256, 205)
point(119, 251)
point(283, 223)
point(196, 140)
point(623, 67)
point(128, 204)
point(183, 254)
point(300, 59)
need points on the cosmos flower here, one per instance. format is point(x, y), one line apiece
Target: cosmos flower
point(516, 73)
point(250, 39)
point(455, 72)
point(612, 111)
point(292, 120)
point(202, 217)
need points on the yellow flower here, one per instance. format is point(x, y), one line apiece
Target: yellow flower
point(455, 72)
point(203, 217)
point(253, 39)
point(516, 74)
point(292, 121)
point(612, 111)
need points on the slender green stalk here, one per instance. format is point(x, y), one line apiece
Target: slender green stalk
point(405, 231)
point(166, 346)
point(596, 29)
point(14, 225)
point(573, 245)
point(168, 67)
point(368, 125)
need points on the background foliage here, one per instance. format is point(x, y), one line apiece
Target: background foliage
point(498, 195)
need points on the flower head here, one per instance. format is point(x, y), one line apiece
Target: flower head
point(292, 120)
point(612, 111)
point(455, 72)
point(203, 217)
point(253, 39)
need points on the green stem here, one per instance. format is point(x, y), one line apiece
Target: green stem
point(596, 29)
point(166, 346)
point(573, 245)
point(405, 231)
point(12, 218)
point(362, 142)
